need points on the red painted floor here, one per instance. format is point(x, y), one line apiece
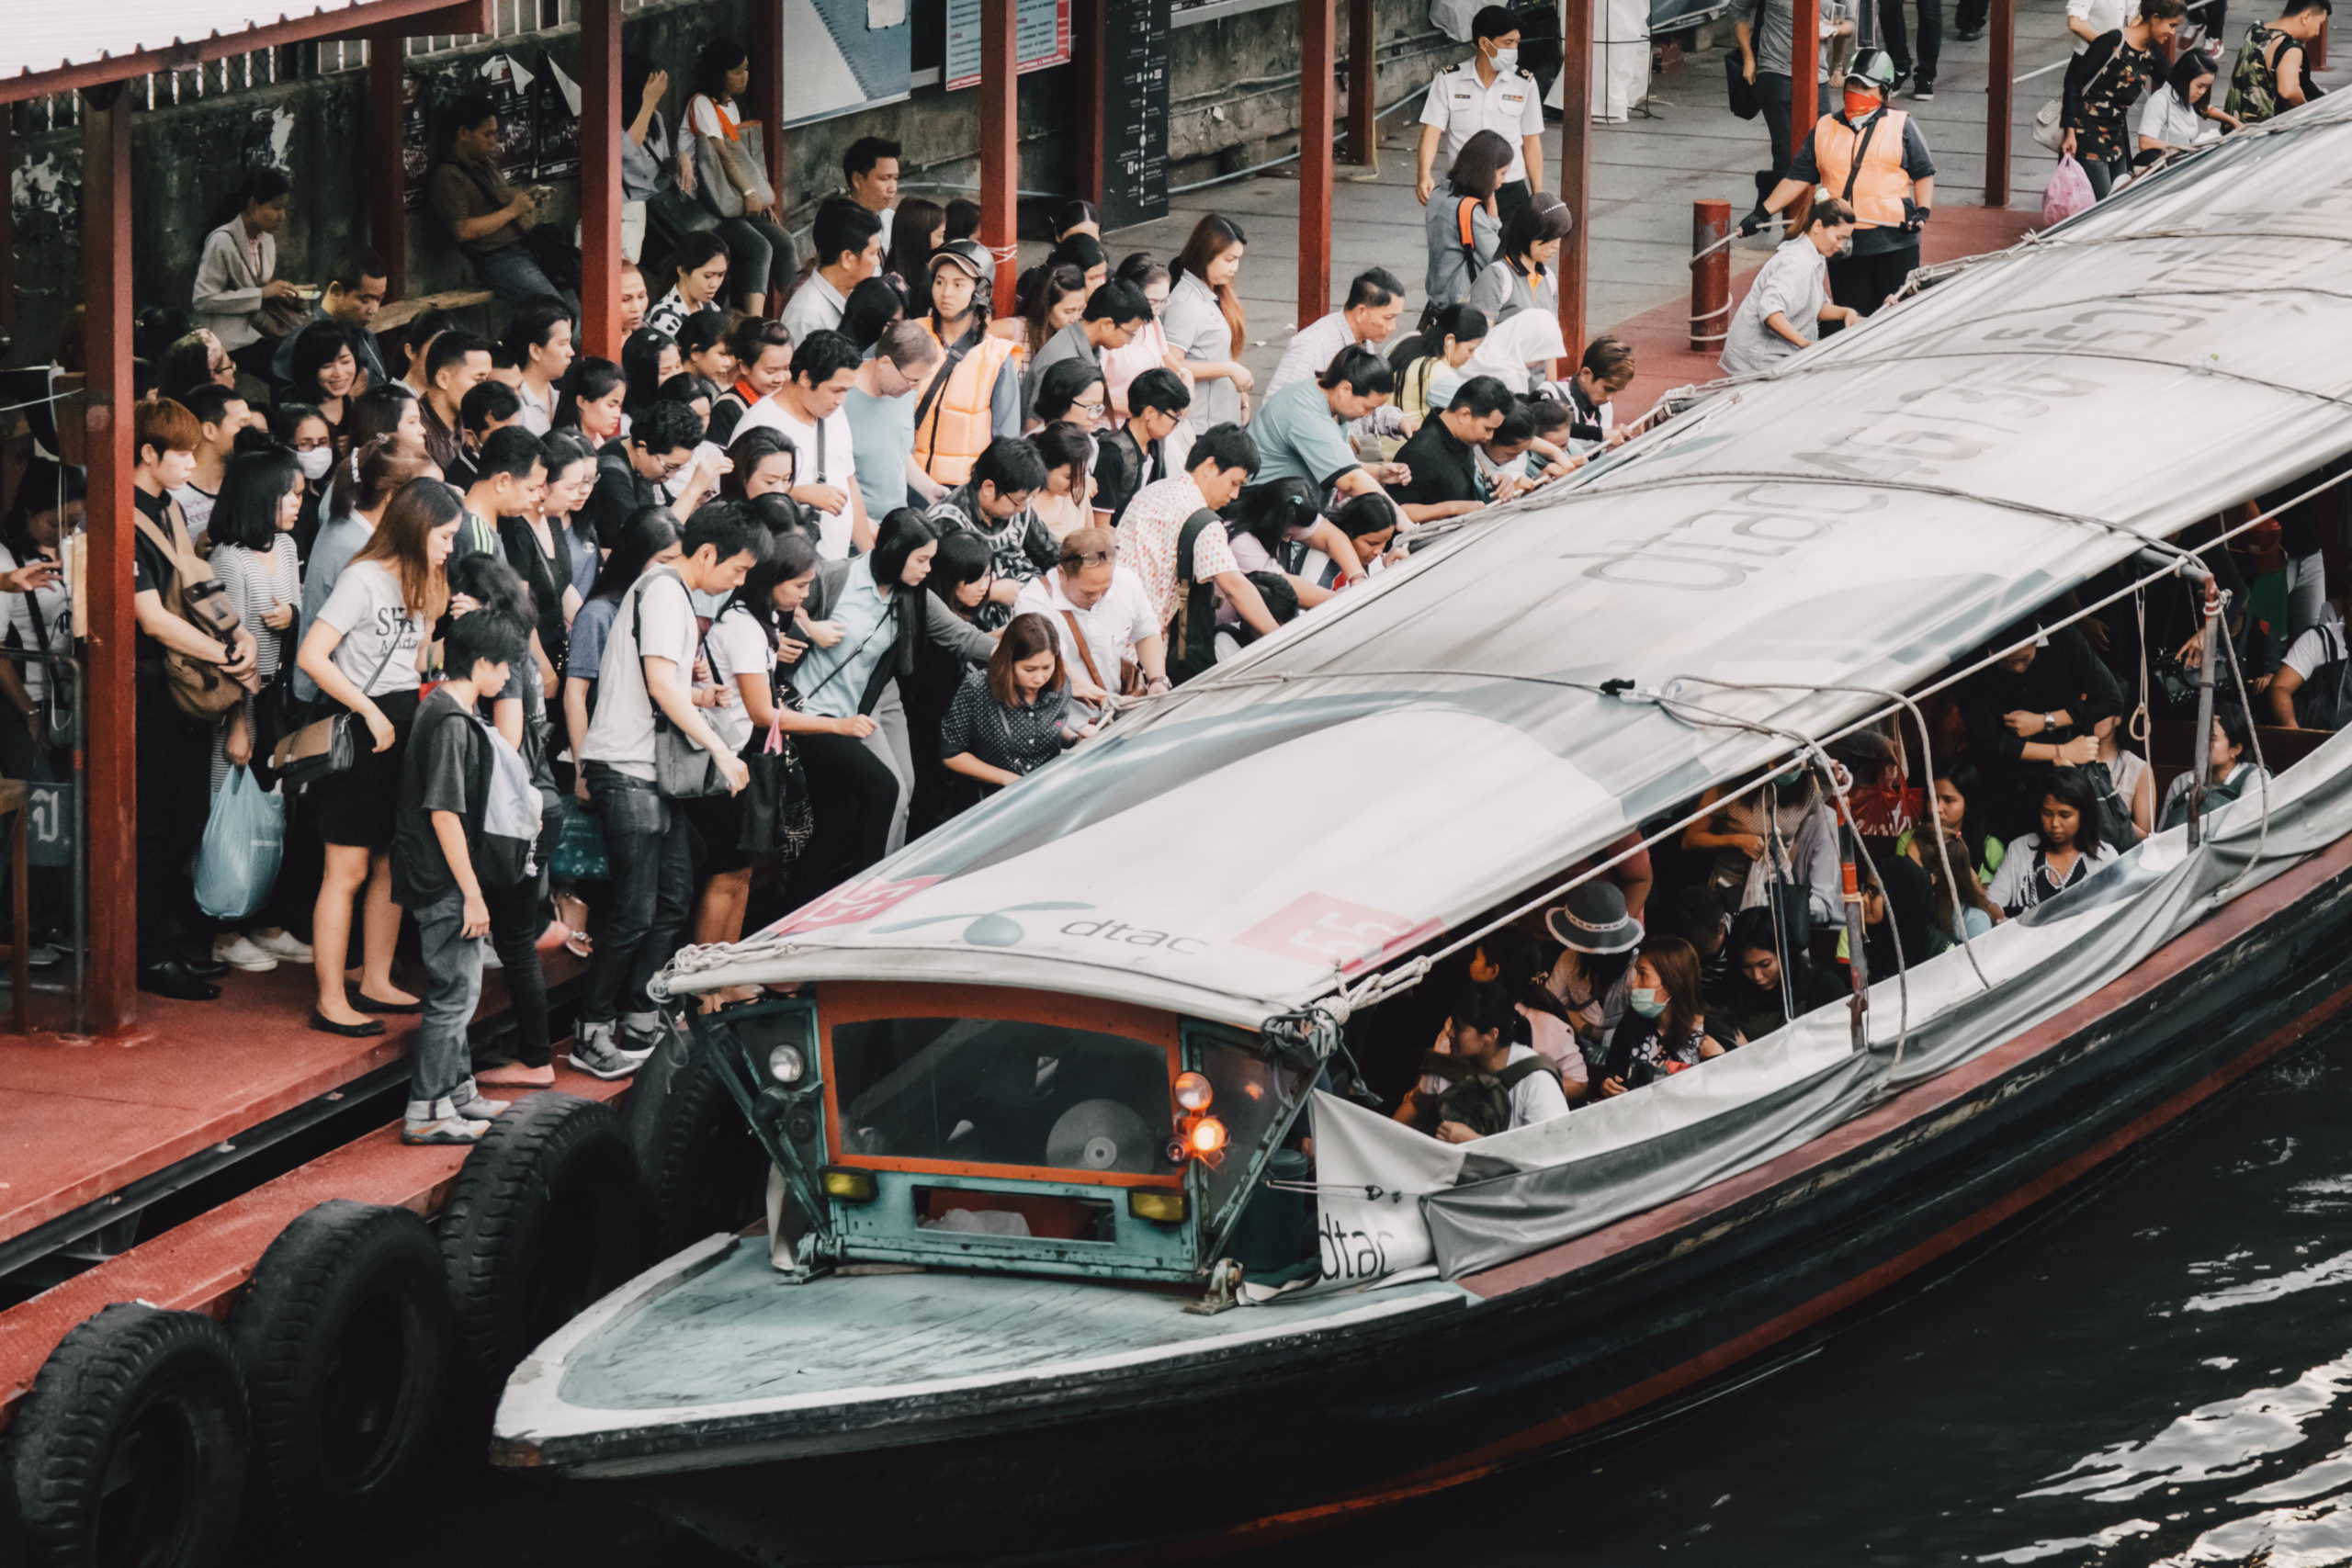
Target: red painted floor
point(1661, 338)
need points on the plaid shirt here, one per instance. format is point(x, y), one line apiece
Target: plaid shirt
point(1147, 538)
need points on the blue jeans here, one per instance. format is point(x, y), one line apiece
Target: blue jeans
point(637, 922)
point(452, 990)
point(513, 274)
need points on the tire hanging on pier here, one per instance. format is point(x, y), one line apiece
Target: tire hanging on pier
point(344, 1337)
point(131, 1447)
point(546, 1217)
point(705, 1169)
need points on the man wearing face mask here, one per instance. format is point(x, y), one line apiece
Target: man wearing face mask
point(1790, 298)
point(1875, 159)
point(1486, 92)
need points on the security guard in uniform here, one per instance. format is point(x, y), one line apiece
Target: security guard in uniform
point(1486, 92)
point(1873, 158)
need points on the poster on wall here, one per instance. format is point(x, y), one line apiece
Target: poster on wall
point(416, 149)
point(1137, 66)
point(1040, 37)
point(841, 56)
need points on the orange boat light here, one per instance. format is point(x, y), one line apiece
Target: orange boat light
point(1192, 1091)
point(1206, 1136)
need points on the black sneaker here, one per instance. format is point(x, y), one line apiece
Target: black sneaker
point(1969, 35)
point(1923, 92)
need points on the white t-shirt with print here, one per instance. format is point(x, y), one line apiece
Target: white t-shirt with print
point(620, 735)
point(368, 608)
point(830, 457)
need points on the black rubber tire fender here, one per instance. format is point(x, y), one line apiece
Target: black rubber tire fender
point(132, 1444)
point(706, 1172)
point(344, 1338)
point(545, 1217)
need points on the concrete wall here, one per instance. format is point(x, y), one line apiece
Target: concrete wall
point(1234, 103)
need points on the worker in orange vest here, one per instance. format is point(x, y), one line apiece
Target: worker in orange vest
point(1873, 158)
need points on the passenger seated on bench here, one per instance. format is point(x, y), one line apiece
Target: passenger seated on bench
point(2312, 687)
point(2037, 868)
point(1754, 1004)
point(2033, 711)
point(1523, 964)
point(1664, 1029)
point(1482, 1084)
point(2233, 768)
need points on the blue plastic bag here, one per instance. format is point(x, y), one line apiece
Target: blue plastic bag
point(579, 846)
point(244, 839)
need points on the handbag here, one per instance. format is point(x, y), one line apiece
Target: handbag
point(198, 686)
point(682, 770)
point(326, 747)
point(716, 158)
point(1739, 88)
point(579, 854)
point(276, 713)
point(676, 214)
point(778, 819)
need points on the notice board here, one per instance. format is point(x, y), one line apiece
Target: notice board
point(841, 56)
point(1137, 62)
point(1040, 38)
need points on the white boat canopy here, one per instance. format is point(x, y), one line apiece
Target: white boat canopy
point(1878, 508)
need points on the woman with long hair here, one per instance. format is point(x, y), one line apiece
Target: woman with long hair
point(1463, 231)
point(871, 307)
point(363, 486)
point(594, 393)
point(1956, 792)
point(2065, 850)
point(1046, 300)
point(539, 546)
point(239, 298)
point(920, 228)
point(255, 561)
point(1066, 505)
point(1145, 349)
point(326, 370)
point(1592, 975)
point(703, 351)
point(303, 431)
point(722, 75)
point(1666, 1027)
point(1433, 369)
point(1014, 717)
point(764, 462)
point(961, 575)
point(648, 357)
point(1977, 914)
point(366, 653)
point(1205, 323)
point(389, 410)
point(649, 539)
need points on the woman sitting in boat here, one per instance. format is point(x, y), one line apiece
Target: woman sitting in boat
point(1977, 914)
point(2234, 770)
point(1665, 1029)
point(1762, 994)
point(2040, 866)
point(1897, 915)
point(1956, 812)
point(1482, 1081)
point(1593, 974)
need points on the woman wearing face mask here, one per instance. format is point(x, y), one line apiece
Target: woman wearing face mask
point(302, 431)
point(1664, 1029)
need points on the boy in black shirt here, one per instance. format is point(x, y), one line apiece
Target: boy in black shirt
point(439, 822)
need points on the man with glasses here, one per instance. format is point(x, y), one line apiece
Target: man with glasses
point(995, 505)
point(662, 442)
point(1112, 641)
point(880, 409)
point(808, 410)
point(1115, 313)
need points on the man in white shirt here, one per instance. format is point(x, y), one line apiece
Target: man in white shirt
point(1376, 300)
point(1478, 1036)
point(848, 242)
point(808, 410)
point(649, 663)
point(870, 167)
point(1486, 92)
point(1790, 298)
point(1104, 615)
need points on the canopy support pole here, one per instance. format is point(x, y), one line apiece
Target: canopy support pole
point(1805, 97)
point(1857, 959)
point(1575, 169)
point(1362, 146)
point(1000, 145)
point(1091, 172)
point(110, 771)
point(600, 176)
point(1998, 112)
point(2214, 601)
point(768, 107)
point(387, 179)
point(1318, 62)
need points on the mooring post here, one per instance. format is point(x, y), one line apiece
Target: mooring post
point(1709, 276)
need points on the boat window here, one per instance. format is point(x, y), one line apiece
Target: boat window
point(1250, 1095)
point(992, 1091)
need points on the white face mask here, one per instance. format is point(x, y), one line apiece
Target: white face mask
point(1506, 58)
point(315, 462)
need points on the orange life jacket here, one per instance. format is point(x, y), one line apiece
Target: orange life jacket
point(1877, 190)
point(953, 423)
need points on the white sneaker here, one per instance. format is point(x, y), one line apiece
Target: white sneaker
point(594, 1052)
point(238, 952)
point(285, 946)
point(438, 1122)
point(469, 1104)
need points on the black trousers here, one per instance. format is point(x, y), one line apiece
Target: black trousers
point(1864, 282)
point(1774, 92)
point(1931, 37)
point(638, 920)
point(174, 785)
point(516, 923)
point(854, 795)
point(1971, 15)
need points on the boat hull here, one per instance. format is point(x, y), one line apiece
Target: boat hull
point(1572, 1344)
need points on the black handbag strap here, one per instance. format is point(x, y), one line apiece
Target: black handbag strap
point(636, 636)
point(928, 407)
point(1861, 151)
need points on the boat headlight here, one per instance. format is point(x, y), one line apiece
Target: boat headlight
point(1157, 1205)
point(1192, 1091)
point(1205, 1137)
point(846, 1183)
point(786, 1065)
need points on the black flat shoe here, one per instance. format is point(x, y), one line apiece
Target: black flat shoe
point(326, 1025)
point(172, 979)
point(206, 968)
point(365, 1003)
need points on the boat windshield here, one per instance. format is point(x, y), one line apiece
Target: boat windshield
point(991, 1091)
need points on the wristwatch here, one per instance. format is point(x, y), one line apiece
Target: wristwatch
point(2049, 721)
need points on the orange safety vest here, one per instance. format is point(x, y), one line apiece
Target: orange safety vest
point(954, 427)
point(1879, 188)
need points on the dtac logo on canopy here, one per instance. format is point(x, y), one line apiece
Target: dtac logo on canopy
point(997, 928)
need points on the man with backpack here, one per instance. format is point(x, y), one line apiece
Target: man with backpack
point(2312, 688)
point(647, 712)
point(1479, 1083)
point(1134, 454)
point(630, 479)
point(467, 818)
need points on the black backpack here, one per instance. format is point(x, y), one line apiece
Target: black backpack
point(2325, 699)
point(1480, 1101)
